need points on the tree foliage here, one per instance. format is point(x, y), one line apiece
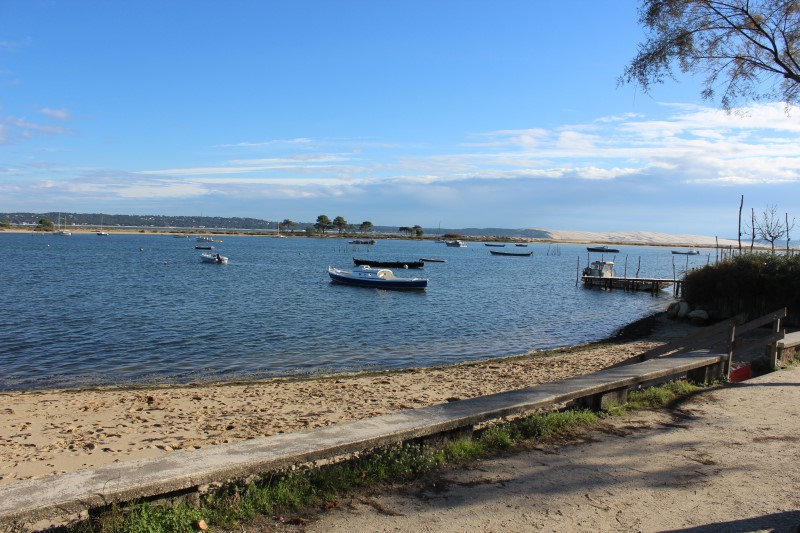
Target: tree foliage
point(323, 223)
point(366, 226)
point(746, 49)
point(340, 223)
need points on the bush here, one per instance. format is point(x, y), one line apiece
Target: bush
point(750, 284)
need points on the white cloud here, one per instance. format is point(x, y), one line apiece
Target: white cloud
point(60, 114)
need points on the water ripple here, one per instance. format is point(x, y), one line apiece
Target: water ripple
point(138, 308)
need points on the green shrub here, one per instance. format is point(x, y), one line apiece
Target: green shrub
point(750, 284)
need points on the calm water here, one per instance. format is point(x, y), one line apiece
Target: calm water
point(90, 310)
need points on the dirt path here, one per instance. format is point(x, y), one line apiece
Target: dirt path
point(724, 460)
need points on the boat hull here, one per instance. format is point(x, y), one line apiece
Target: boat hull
point(389, 264)
point(513, 254)
point(346, 278)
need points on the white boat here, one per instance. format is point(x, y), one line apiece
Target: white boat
point(214, 258)
point(601, 273)
point(455, 244)
point(62, 232)
point(101, 232)
point(205, 239)
point(380, 278)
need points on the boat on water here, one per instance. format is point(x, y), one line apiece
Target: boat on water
point(686, 252)
point(362, 241)
point(432, 260)
point(603, 249)
point(389, 264)
point(516, 254)
point(62, 231)
point(380, 278)
point(101, 232)
point(214, 258)
point(202, 247)
point(205, 239)
point(600, 273)
point(455, 244)
point(521, 245)
point(494, 244)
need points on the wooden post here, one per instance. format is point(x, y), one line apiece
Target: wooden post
point(773, 347)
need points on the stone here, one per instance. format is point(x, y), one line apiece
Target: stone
point(683, 309)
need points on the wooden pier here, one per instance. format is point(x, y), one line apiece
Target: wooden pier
point(651, 285)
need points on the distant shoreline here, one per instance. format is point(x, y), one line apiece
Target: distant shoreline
point(558, 237)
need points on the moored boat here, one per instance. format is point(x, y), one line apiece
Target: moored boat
point(455, 244)
point(381, 278)
point(686, 252)
point(432, 260)
point(601, 274)
point(362, 241)
point(604, 249)
point(214, 258)
point(389, 264)
point(493, 244)
point(517, 254)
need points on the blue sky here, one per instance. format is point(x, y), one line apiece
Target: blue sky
point(445, 113)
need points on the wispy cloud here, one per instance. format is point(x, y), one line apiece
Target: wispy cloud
point(60, 114)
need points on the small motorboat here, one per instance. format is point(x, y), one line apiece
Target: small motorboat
point(389, 264)
point(205, 238)
point(432, 260)
point(686, 252)
point(380, 278)
point(214, 258)
point(201, 247)
point(455, 244)
point(603, 249)
point(362, 241)
point(521, 245)
point(493, 244)
point(516, 254)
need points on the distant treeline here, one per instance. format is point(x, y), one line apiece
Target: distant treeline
point(228, 223)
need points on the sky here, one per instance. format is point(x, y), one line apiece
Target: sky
point(444, 113)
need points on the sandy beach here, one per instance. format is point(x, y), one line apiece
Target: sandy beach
point(51, 432)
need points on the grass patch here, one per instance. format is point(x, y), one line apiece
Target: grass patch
point(311, 487)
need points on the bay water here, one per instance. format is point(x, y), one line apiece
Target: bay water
point(89, 310)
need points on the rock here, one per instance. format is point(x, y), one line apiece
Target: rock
point(683, 309)
point(672, 310)
point(698, 316)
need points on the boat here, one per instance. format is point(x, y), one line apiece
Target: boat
point(214, 258)
point(493, 244)
point(521, 245)
point(389, 264)
point(62, 232)
point(432, 260)
point(202, 247)
point(380, 278)
point(686, 252)
point(362, 241)
point(205, 239)
point(518, 254)
point(603, 249)
point(455, 244)
point(102, 233)
point(601, 274)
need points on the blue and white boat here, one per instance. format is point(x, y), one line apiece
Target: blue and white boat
point(380, 278)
